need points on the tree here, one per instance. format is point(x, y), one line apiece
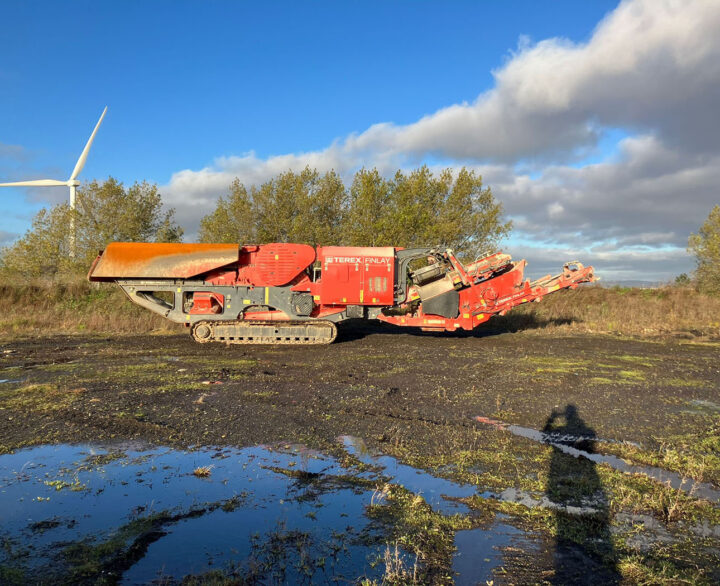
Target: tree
point(233, 220)
point(300, 207)
point(418, 208)
point(682, 280)
point(469, 220)
point(44, 249)
point(108, 212)
point(105, 212)
point(367, 219)
point(321, 211)
point(705, 245)
point(412, 208)
point(303, 207)
point(421, 209)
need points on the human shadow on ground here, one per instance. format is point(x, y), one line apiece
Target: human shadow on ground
point(583, 550)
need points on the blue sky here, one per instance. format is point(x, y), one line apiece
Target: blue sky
point(197, 86)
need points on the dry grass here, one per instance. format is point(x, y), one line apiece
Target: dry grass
point(79, 306)
point(72, 307)
point(203, 471)
point(396, 569)
point(621, 310)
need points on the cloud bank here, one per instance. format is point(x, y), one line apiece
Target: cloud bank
point(651, 70)
point(606, 150)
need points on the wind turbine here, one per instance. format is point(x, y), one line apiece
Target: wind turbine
point(72, 183)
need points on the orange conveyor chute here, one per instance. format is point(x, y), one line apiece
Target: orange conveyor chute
point(142, 260)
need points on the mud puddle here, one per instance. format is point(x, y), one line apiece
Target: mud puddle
point(566, 444)
point(702, 406)
point(134, 513)
point(433, 489)
point(480, 551)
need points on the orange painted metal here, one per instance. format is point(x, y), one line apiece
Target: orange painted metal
point(495, 296)
point(143, 260)
point(277, 282)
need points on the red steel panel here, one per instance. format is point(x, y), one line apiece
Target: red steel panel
point(279, 263)
point(357, 275)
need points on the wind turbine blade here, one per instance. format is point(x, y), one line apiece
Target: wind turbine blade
point(83, 157)
point(35, 183)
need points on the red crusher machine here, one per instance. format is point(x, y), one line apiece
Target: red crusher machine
point(296, 294)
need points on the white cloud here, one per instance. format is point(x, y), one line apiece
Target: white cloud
point(12, 151)
point(7, 238)
point(648, 195)
point(650, 64)
point(651, 68)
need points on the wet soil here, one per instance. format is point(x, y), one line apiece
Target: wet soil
point(417, 397)
point(265, 514)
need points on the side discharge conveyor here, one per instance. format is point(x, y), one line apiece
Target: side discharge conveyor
point(283, 293)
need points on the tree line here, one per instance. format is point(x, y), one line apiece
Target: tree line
point(410, 209)
point(413, 208)
point(104, 212)
point(416, 208)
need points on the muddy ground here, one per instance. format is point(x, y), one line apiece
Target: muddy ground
point(415, 396)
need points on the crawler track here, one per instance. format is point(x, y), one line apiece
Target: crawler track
point(265, 332)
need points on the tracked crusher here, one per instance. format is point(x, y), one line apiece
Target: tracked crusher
point(296, 294)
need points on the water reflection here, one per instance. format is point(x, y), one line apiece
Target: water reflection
point(433, 489)
point(72, 512)
point(133, 513)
